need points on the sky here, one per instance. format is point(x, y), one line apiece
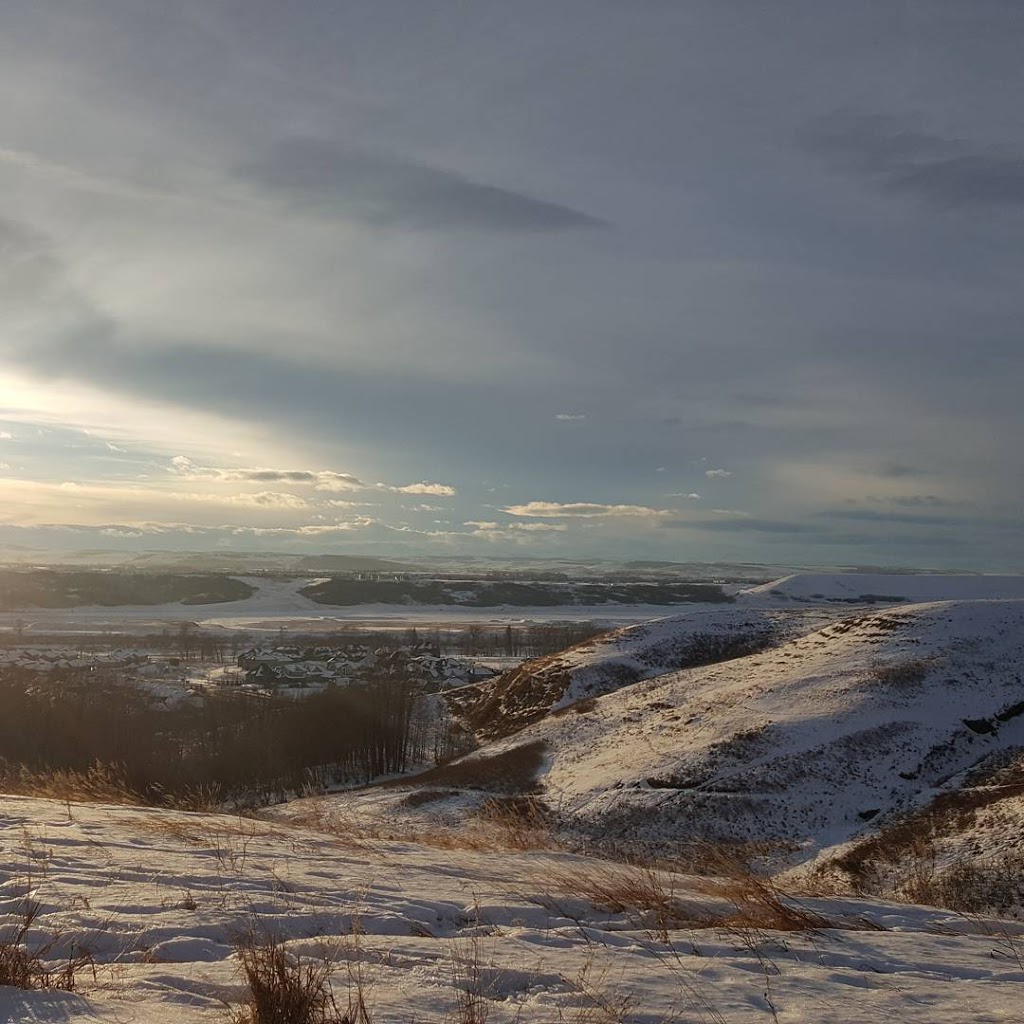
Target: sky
point(695, 281)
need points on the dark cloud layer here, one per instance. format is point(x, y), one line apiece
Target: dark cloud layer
point(902, 160)
point(330, 179)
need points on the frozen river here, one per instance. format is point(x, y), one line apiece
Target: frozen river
point(278, 604)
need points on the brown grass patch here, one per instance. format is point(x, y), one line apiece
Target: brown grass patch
point(421, 797)
point(641, 892)
point(908, 842)
point(512, 771)
point(26, 967)
point(521, 822)
point(99, 783)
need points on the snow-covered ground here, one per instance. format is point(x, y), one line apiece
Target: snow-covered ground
point(888, 587)
point(158, 896)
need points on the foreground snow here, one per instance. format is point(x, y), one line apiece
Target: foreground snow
point(158, 895)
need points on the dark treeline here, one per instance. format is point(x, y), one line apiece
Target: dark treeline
point(248, 748)
point(533, 640)
point(188, 642)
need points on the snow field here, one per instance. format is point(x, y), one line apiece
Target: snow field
point(158, 895)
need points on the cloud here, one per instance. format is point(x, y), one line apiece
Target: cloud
point(899, 470)
point(327, 480)
point(332, 179)
point(258, 500)
point(921, 501)
point(519, 533)
point(743, 523)
point(266, 499)
point(901, 159)
point(693, 495)
point(568, 416)
point(321, 479)
point(344, 503)
point(871, 515)
point(717, 473)
point(579, 509)
point(6, 435)
point(423, 487)
point(491, 527)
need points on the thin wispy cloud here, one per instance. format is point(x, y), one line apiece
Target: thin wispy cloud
point(579, 510)
point(321, 480)
point(325, 178)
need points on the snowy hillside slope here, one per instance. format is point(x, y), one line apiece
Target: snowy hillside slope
point(804, 743)
point(761, 617)
point(701, 636)
point(887, 588)
point(157, 897)
point(963, 849)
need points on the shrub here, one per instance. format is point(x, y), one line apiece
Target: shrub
point(283, 989)
point(25, 967)
point(901, 675)
point(992, 886)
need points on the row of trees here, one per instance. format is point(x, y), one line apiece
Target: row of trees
point(189, 642)
point(247, 747)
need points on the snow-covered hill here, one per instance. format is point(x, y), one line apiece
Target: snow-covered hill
point(887, 588)
point(804, 743)
point(625, 656)
point(762, 617)
point(159, 897)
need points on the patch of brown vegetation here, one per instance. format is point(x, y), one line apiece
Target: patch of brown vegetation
point(512, 771)
point(948, 814)
point(25, 967)
point(99, 783)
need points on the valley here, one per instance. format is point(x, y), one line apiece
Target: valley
point(804, 802)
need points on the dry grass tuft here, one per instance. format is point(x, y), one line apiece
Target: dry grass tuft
point(994, 885)
point(99, 783)
point(760, 904)
point(597, 1001)
point(468, 983)
point(25, 967)
point(421, 797)
point(642, 892)
point(520, 822)
point(284, 989)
